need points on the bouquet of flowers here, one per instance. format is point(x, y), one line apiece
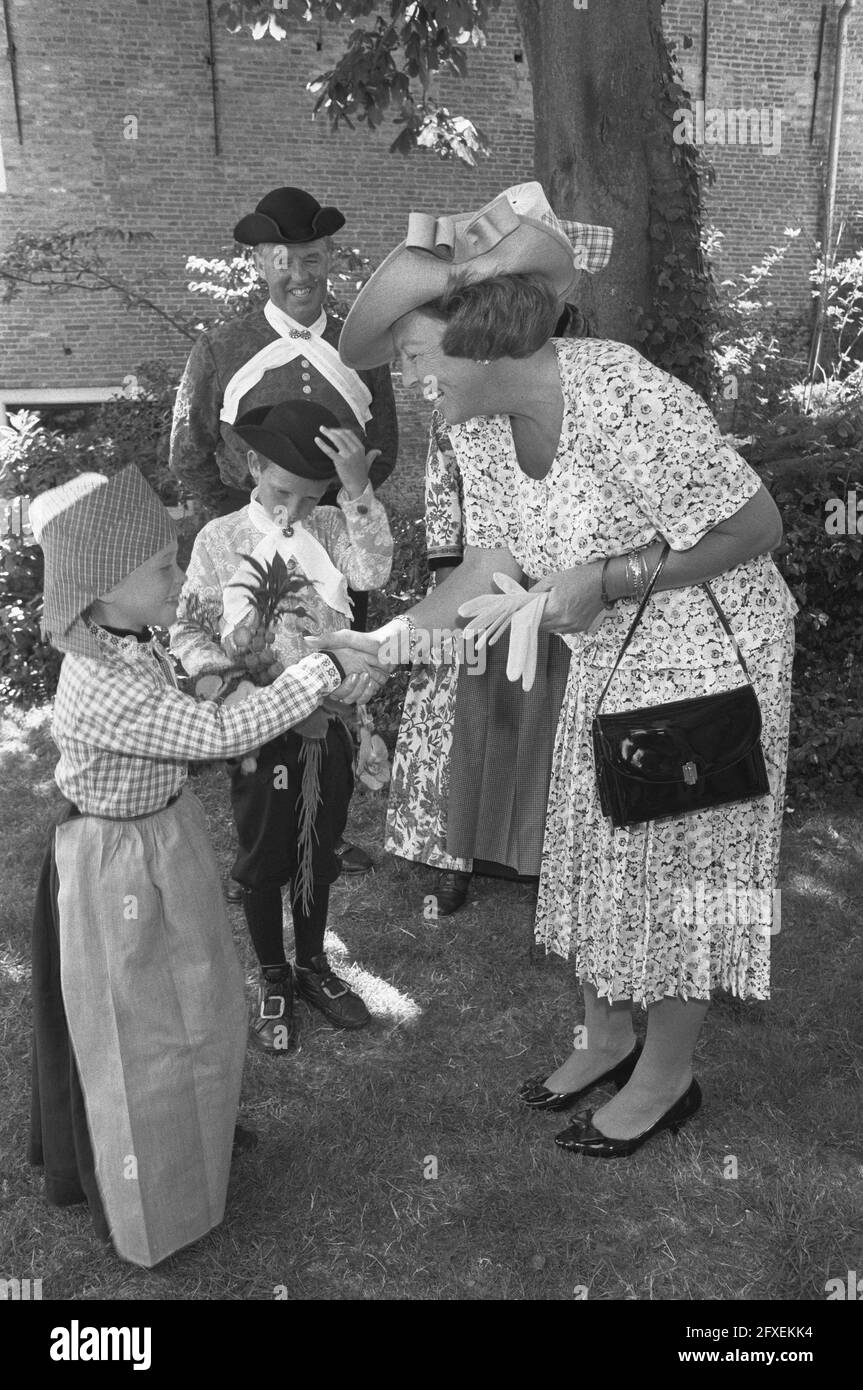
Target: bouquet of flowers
point(259, 648)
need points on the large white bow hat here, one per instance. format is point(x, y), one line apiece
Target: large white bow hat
point(516, 233)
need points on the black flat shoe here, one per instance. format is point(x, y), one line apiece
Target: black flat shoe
point(244, 1139)
point(535, 1094)
point(451, 891)
point(582, 1136)
point(354, 861)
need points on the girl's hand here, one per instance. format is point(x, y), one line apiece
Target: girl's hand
point(351, 461)
point(353, 690)
point(363, 678)
point(575, 598)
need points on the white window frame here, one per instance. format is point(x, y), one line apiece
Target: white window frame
point(32, 397)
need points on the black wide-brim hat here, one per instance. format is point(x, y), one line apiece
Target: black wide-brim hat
point(285, 434)
point(288, 217)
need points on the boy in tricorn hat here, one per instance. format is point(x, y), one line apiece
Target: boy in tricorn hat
point(295, 451)
point(137, 993)
point(287, 350)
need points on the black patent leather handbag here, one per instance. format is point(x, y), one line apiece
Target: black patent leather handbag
point(681, 757)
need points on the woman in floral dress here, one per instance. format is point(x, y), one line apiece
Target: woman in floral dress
point(419, 787)
point(576, 453)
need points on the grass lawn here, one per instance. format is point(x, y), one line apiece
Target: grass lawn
point(336, 1201)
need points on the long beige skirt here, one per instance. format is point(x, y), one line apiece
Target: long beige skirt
point(153, 994)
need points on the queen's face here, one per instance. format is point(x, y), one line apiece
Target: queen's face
point(456, 385)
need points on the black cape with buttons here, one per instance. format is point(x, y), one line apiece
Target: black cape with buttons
point(209, 457)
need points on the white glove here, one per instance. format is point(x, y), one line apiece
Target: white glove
point(524, 641)
point(517, 608)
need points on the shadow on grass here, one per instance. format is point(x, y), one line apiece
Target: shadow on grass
point(397, 1163)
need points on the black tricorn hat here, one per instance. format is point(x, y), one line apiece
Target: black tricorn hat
point(288, 217)
point(285, 434)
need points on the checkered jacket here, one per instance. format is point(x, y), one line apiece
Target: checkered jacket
point(125, 731)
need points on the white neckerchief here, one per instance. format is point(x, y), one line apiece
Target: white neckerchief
point(295, 340)
point(310, 555)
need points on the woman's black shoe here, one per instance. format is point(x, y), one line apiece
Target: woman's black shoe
point(582, 1136)
point(451, 891)
point(244, 1139)
point(538, 1097)
point(353, 860)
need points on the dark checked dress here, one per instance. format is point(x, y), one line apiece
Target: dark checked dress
point(473, 757)
point(639, 457)
point(138, 1002)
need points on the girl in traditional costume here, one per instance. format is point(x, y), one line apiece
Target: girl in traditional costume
point(139, 1015)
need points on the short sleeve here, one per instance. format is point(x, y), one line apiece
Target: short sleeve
point(484, 457)
point(668, 453)
point(443, 510)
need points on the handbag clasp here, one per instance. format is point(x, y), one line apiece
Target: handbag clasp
point(690, 774)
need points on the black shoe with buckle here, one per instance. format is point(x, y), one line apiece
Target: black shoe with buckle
point(353, 859)
point(274, 1029)
point(451, 891)
point(331, 996)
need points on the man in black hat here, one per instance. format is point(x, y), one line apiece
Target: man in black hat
point(287, 350)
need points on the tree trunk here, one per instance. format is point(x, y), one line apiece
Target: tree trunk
point(604, 103)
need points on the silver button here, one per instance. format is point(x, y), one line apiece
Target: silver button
point(307, 390)
point(306, 376)
point(304, 363)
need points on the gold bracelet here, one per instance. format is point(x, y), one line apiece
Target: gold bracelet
point(633, 574)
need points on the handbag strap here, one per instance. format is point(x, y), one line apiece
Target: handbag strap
point(637, 619)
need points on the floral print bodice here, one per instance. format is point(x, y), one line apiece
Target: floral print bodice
point(640, 457)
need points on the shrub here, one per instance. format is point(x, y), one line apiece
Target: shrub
point(33, 458)
point(825, 575)
point(131, 429)
point(29, 667)
point(759, 353)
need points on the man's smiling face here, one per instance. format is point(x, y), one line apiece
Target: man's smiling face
point(296, 276)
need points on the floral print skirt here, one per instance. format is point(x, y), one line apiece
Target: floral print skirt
point(419, 787)
point(672, 907)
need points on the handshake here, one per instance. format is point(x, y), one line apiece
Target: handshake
point(364, 655)
point(360, 655)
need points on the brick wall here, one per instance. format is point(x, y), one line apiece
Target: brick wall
point(83, 74)
point(765, 56)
